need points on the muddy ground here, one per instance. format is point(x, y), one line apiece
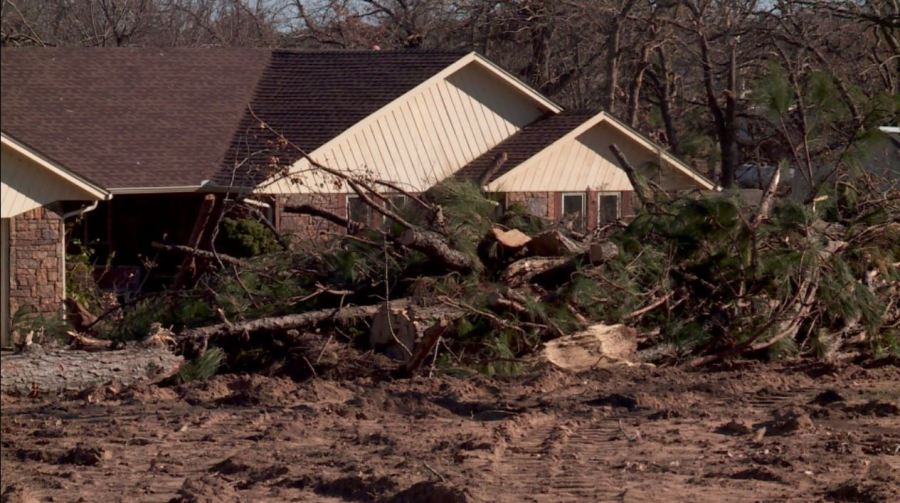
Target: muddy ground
point(625, 434)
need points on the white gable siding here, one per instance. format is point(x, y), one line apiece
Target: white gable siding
point(27, 185)
point(424, 136)
point(584, 162)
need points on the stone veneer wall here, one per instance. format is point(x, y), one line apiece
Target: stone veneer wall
point(37, 261)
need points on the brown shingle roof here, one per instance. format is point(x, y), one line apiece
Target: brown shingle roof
point(311, 97)
point(524, 144)
point(129, 117)
point(176, 117)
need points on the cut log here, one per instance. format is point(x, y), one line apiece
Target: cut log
point(499, 247)
point(600, 253)
point(553, 244)
point(598, 346)
point(513, 239)
point(524, 270)
point(393, 333)
point(194, 341)
point(435, 247)
point(35, 371)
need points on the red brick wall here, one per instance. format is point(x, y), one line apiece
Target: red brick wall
point(305, 226)
point(36, 261)
point(537, 203)
point(549, 204)
point(543, 204)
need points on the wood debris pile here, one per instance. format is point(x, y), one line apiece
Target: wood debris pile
point(452, 281)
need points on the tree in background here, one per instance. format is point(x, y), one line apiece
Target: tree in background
point(683, 72)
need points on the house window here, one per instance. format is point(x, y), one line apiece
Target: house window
point(358, 211)
point(573, 210)
point(610, 207)
point(397, 203)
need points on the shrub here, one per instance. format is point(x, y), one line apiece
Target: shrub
point(245, 237)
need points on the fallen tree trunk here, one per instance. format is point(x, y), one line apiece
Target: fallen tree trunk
point(88, 343)
point(641, 190)
point(553, 244)
point(352, 226)
point(435, 247)
point(522, 271)
point(187, 250)
point(194, 341)
point(36, 371)
point(188, 267)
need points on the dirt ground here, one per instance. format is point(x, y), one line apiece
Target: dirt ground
point(797, 431)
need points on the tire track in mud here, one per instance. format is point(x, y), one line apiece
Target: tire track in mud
point(550, 459)
point(632, 436)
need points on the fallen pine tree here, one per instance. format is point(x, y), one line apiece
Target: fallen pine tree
point(35, 371)
point(473, 286)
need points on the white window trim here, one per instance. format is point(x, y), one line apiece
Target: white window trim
point(397, 196)
point(390, 197)
point(563, 200)
point(562, 206)
point(347, 207)
point(618, 203)
point(347, 199)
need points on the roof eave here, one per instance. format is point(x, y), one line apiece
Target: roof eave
point(472, 57)
point(514, 81)
point(82, 183)
point(206, 186)
point(593, 121)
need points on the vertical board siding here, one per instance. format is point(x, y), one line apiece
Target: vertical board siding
point(422, 138)
point(586, 163)
point(26, 185)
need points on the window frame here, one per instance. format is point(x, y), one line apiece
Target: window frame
point(368, 215)
point(607, 193)
point(392, 199)
point(562, 207)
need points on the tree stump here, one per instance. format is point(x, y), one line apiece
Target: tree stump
point(394, 333)
point(399, 332)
